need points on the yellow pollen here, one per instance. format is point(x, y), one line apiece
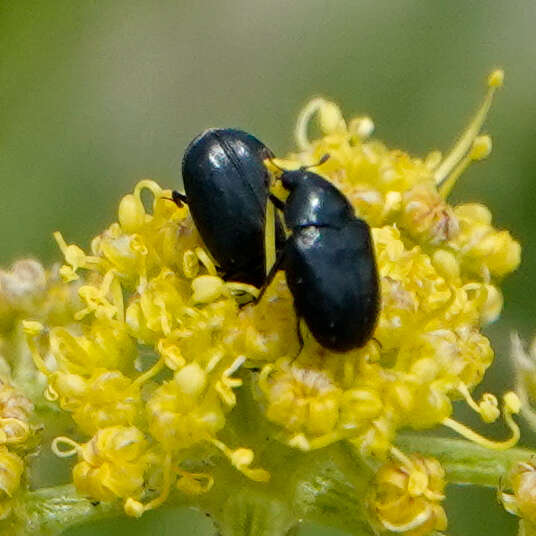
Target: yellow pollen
point(496, 78)
point(481, 148)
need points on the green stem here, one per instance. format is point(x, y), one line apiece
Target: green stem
point(326, 487)
point(465, 462)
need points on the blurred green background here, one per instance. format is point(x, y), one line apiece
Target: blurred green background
point(95, 95)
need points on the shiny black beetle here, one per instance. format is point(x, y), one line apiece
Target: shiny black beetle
point(226, 185)
point(329, 262)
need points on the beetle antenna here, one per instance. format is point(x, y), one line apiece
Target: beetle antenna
point(323, 160)
point(272, 161)
point(268, 155)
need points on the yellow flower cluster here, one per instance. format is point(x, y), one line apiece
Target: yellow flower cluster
point(151, 356)
point(12, 467)
point(15, 431)
point(439, 266)
point(150, 361)
point(406, 497)
point(26, 288)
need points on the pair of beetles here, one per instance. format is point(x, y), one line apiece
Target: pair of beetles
point(328, 255)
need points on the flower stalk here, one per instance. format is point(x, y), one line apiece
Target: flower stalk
point(466, 462)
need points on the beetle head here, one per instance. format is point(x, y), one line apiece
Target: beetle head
point(291, 179)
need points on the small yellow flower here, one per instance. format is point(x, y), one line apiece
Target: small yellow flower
point(108, 400)
point(522, 500)
point(426, 216)
point(11, 468)
point(525, 373)
point(28, 289)
point(112, 465)
point(20, 287)
point(406, 497)
point(104, 345)
point(15, 413)
point(184, 411)
point(303, 400)
point(484, 251)
point(268, 329)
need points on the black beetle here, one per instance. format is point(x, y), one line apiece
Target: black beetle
point(329, 262)
point(226, 185)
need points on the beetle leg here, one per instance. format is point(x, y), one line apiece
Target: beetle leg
point(299, 333)
point(299, 336)
point(179, 198)
point(271, 274)
point(269, 237)
point(280, 205)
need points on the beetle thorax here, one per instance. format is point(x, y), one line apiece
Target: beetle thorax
point(316, 202)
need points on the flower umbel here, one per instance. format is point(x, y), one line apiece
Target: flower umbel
point(179, 388)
